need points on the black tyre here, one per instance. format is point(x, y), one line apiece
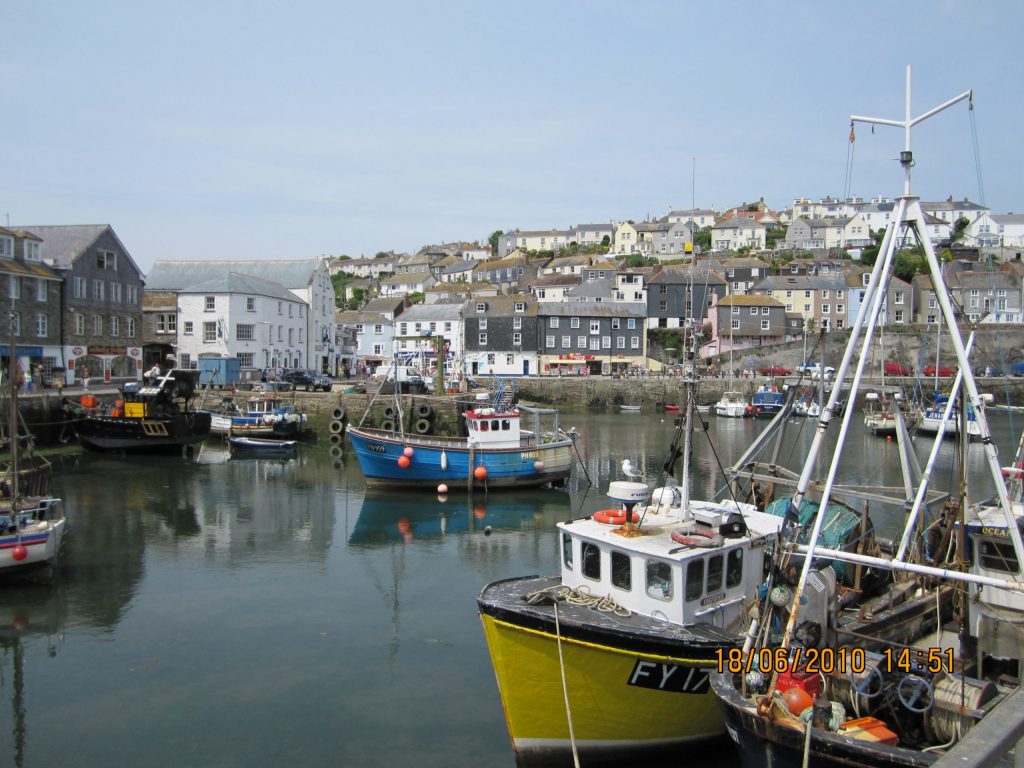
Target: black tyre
point(336, 451)
point(421, 426)
point(388, 425)
point(390, 412)
point(335, 438)
point(424, 411)
point(336, 427)
point(338, 413)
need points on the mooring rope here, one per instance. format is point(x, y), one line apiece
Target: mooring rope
point(565, 692)
point(581, 597)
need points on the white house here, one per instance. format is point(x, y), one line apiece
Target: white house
point(738, 232)
point(1011, 228)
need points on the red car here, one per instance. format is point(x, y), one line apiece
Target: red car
point(930, 371)
point(892, 368)
point(774, 370)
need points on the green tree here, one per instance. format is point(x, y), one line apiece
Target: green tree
point(702, 239)
point(959, 228)
point(494, 239)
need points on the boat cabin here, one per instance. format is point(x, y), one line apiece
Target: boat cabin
point(490, 428)
point(992, 555)
point(702, 574)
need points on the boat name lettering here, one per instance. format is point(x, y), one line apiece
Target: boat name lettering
point(989, 531)
point(530, 454)
point(377, 447)
point(669, 677)
point(713, 598)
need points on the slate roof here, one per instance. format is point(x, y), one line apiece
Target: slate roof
point(592, 309)
point(64, 243)
point(179, 275)
point(750, 300)
point(236, 282)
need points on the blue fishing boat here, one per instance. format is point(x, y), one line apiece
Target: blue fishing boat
point(264, 415)
point(496, 452)
point(767, 402)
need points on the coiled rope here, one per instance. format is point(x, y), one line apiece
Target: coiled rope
point(581, 597)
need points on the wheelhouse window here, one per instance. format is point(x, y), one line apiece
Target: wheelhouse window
point(590, 555)
point(567, 550)
point(621, 571)
point(695, 579)
point(715, 564)
point(734, 569)
point(997, 556)
point(659, 580)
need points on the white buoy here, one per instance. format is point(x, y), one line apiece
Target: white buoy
point(442, 488)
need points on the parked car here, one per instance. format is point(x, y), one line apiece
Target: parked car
point(931, 369)
point(814, 370)
point(304, 378)
point(991, 371)
point(892, 368)
point(1017, 369)
point(774, 370)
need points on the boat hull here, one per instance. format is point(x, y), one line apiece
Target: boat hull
point(378, 453)
point(140, 435)
point(42, 547)
point(632, 696)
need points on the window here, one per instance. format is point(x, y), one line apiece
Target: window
point(106, 260)
point(824, 294)
point(766, 325)
point(209, 303)
point(129, 327)
point(16, 323)
point(481, 307)
point(997, 556)
point(735, 325)
point(41, 290)
point(631, 324)
point(606, 342)
point(554, 322)
point(97, 325)
point(280, 308)
point(634, 342)
point(659, 580)
point(42, 325)
point(898, 297)
point(595, 344)
point(695, 580)
point(620, 342)
point(115, 293)
point(517, 323)
point(824, 309)
point(483, 340)
point(899, 316)
point(209, 332)
point(14, 287)
point(840, 309)
point(245, 332)
point(166, 323)
point(764, 310)
point(621, 575)
point(115, 326)
point(734, 569)
point(753, 311)
point(715, 564)
point(483, 323)
point(839, 294)
point(567, 550)
point(245, 359)
point(595, 326)
point(566, 342)
point(520, 306)
point(6, 247)
point(78, 288)
point(590, 558)
point(517, 339)
point(250, 306)
point(581, 342)
point(79, 324)
point(132, 294)
point(98, 290)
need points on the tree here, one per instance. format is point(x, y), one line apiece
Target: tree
point(959, 228)
point(494, 240)
point(702, 239)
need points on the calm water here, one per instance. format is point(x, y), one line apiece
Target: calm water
point(254, 613)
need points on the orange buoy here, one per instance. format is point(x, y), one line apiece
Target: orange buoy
point(480, 473)
point(403, 461)
point(797, 699)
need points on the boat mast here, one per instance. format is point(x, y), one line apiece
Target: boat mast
point(13, 436)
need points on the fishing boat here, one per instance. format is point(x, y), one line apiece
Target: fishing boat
point(264, 415)
point(926, 672)
point(732, 405)
point(153, 417)
point(261, 445)
point(498, 450)
point(767, 401)
point(942, 415)
point(609, 660)
point(31, 520)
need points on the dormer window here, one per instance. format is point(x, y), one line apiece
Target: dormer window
point(106, 260)
point(31, 250)
point(520, 306)
point(481, 307)
point(6, 247)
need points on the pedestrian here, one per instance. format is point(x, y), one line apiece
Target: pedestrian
point(85, 377)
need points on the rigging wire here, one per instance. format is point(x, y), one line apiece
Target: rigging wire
point(977, 151)
point(848, 180)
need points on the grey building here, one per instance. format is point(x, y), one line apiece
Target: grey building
point(591, 337)
point(501, 335)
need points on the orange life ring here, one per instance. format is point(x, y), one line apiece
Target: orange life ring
point(614, 517)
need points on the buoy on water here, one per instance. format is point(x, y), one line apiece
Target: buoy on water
point(442, 488)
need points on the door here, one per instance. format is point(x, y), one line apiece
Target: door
point(526, 367)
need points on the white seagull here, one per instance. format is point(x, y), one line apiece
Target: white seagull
point(630, 471)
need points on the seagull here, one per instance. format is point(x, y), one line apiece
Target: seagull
point(629, 470)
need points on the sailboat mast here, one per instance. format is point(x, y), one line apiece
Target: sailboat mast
point(12, 425)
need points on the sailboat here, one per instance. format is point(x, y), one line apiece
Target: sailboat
point(837, 679)
point(610, 659)
point(733, 403)
point(31, 520)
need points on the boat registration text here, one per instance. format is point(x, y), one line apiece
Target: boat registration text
point(669, 677)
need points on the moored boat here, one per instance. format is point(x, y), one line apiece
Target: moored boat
point(245, 443)
point(263, 415)
point(767, 401)
point(732, 405)
point(150, 418)
point(498, 451)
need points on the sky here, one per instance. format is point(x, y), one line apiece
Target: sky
point(269, 130)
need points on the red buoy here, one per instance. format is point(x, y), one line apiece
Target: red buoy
point(19, 552)
point(480, 473)
point(403, 461)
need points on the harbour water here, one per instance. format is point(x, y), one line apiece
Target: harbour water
point(257, 612)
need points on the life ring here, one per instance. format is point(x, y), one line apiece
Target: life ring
point(423, 411)
point(614, 517)
point(699, 537)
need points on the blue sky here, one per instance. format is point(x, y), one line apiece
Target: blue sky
point(271, 130)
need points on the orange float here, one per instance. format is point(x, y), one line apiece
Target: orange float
point(614, 517)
